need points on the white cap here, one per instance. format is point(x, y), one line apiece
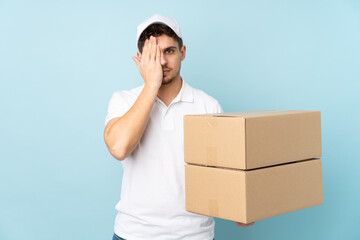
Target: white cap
point(157, 18)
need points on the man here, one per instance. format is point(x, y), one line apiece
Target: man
point(144, 130)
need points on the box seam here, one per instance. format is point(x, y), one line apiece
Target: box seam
point(246, 198)
point(245, 144)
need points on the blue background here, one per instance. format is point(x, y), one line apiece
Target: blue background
point(60, 62)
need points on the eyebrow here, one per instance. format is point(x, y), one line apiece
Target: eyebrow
point(168, 48)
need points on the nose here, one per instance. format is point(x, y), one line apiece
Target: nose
point(163, 60)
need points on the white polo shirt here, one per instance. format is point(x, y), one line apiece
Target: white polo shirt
point(152, 202)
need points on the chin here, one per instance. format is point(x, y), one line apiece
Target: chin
point(164, 82)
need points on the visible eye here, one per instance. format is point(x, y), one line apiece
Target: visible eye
point(169, 51)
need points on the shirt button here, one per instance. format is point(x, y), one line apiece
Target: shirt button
point(167, 122)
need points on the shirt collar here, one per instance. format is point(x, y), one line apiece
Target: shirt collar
point(185, 94)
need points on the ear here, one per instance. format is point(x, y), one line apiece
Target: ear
point(183, 52)
point(139, 55)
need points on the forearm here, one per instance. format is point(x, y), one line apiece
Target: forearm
point(123, 135)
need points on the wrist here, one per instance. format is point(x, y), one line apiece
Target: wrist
point(151, 89)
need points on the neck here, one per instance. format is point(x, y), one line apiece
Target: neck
point(169, 91)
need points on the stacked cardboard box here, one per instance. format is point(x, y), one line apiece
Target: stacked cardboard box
point(247, 166)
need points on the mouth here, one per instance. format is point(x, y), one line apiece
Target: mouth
point(166, 71)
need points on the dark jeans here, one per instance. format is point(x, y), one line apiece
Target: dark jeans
point(116, 237)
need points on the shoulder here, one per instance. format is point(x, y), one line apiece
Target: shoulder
point(206, 100)
point(135, 92)
point(200, 95)
point(128, 96)
point(121, 102)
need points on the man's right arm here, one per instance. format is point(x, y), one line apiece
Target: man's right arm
point(122, 134)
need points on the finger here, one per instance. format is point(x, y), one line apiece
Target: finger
point(243, 224)
point(145, 52)
point(153, 49)
point(250, 224)
point(158, 54)
point(150, 46)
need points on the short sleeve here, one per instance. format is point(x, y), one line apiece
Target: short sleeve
point(117, 107)
point(218, 108)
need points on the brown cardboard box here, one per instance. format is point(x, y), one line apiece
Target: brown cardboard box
point(252, 195)
point(248, 140)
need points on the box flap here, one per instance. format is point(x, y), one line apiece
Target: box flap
point(251, 114)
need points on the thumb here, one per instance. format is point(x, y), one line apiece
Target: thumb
point(137, 61)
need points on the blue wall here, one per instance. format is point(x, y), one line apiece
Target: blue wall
point(60, 61)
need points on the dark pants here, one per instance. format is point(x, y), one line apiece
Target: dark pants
point(116, 237)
